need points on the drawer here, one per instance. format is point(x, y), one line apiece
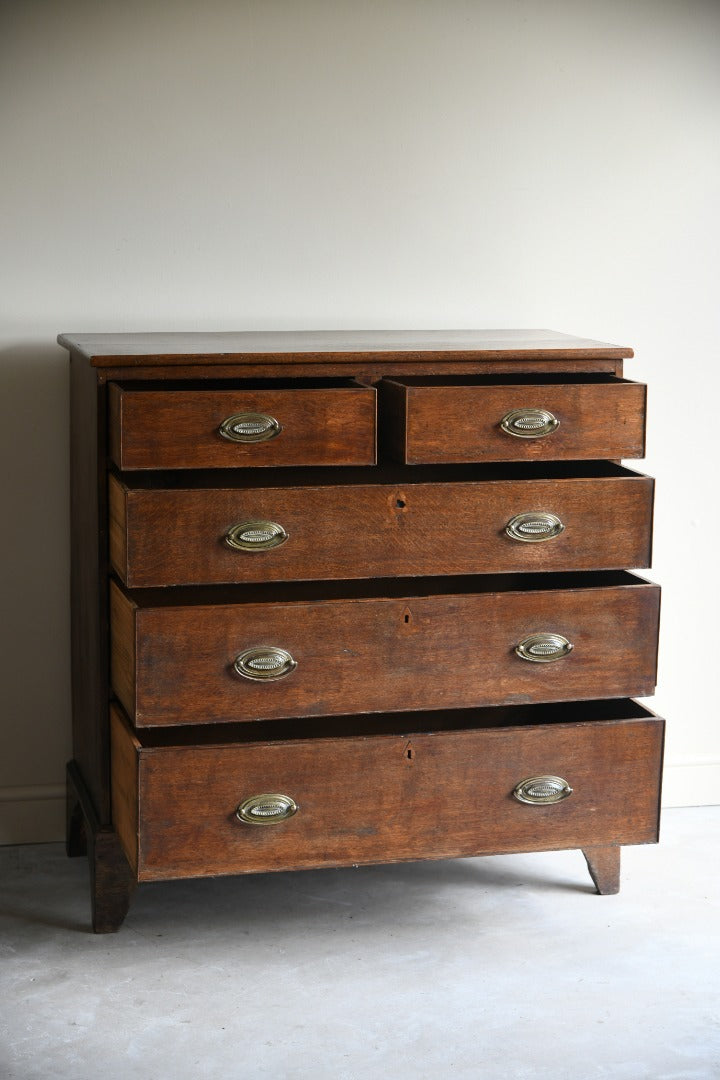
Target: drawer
point(481, 418)
point(436, 644)
point(253, 423)
point(594, 515)
point(417, 786)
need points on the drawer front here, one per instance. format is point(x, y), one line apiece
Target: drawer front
point(244, 662)
point(457, 423)
point(169, 537)
point(183, 429)
point(383, 798)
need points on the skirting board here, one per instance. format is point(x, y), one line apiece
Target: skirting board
point(33, 814)
point(36, 814)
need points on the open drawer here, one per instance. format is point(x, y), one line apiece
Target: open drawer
point(512, 418)
point(328, 524)
point(249, 653)
point(237, 423)
point(390, 788)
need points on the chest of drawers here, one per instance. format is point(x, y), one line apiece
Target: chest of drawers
point(346, 598)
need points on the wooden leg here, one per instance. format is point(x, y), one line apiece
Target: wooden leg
point(112, 882)
point(75, 837)
point(604, 866)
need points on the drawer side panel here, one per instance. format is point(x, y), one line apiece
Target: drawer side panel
point(124, 762)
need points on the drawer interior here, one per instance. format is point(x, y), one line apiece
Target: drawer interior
point(394, 724)
point(193, 386)
point(368, 589)
point(329, 476)
point(551, 379)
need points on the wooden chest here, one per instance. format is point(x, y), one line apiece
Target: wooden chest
point(345, 598)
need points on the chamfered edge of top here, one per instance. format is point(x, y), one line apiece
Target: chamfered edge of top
point(302, 346)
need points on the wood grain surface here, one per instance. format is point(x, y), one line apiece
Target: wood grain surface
point(391, 798)
point(178, 429)
point(404, 728)
point(174, 664)
point(348, 346)
point(170, 536)
point(366, 369)
point(429, 423)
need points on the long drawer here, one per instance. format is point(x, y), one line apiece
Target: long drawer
point(310, 422)
point(203, 659)
point(226, 807)
point(576, 516)
point(486, 418)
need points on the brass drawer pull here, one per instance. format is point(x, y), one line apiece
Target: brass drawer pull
point(265, 663)
point(529, 423)
point(255, 536)
point(542, 790)
point(250, 427)
point(266, 809)
point(543, 648)
point(535, 526)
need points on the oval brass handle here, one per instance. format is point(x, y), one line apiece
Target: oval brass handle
point(255, 536)
point(250, 427)
point(266, 809)
point(264, 663)
point(529, 423)
point(543, 648)
point(535, 526)
point(542, 790)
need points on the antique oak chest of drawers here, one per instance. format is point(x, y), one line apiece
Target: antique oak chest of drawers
point(346, 598)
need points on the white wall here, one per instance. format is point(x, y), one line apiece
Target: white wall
point(330, 163)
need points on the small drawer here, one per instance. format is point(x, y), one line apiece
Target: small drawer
point(261, 423)
point(389, 790)
point(250, 655)
point(558, 516)
point(455, 419)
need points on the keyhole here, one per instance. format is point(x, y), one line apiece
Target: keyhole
point(409, 752)
point(407, 618)
point(400, 503)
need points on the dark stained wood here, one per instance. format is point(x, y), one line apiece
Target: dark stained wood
point(384, 590)
point(75, 835)
point(604, 866)
point(391, 798)
point(348, 346)
point(365, 371)
point(117, 523)
point(88, 570)
point(123, 646)
point(124, 749)
point(112, 881)
point(178, 429)
point(174, 665)
point(176, 536)
point(455, 423)
point(362, 725)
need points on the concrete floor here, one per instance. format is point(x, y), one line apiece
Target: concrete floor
point(507, 967)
